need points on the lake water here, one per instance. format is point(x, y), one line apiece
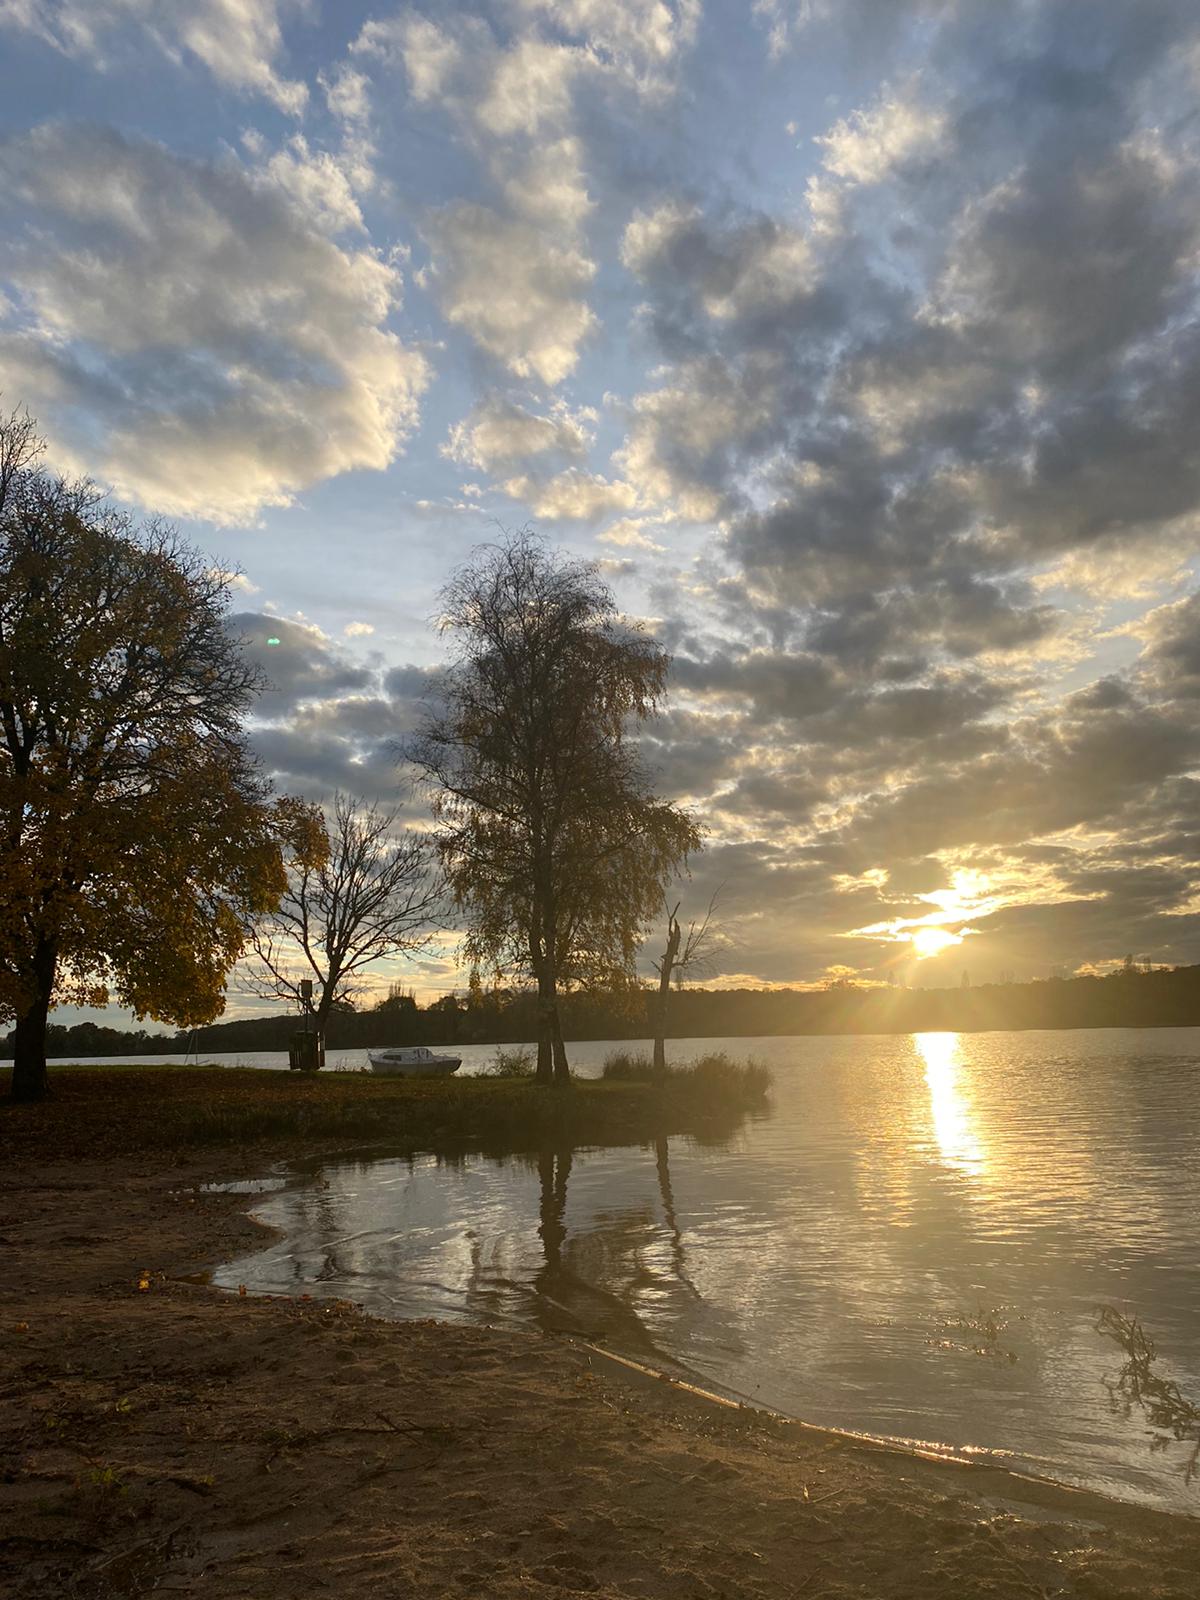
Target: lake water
point(913, 1243)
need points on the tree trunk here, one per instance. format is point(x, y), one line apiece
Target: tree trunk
point(557, 1071)
point(664, 992)
point(29, 1079)
point(562, 1072)
point(318, 1018)
point(545, 1018)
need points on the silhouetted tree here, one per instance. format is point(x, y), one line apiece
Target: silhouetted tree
point(553, 842)
point(360, 888)
point(684, 956)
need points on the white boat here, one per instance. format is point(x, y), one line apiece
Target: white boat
point(413, 1061)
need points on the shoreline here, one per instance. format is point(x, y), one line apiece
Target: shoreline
point(673, 1373)
point(179, 1436)
point(192, 1059)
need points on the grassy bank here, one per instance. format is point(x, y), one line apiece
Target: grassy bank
point(120, 1110)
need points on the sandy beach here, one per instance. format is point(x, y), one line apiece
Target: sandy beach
point(161, 1436)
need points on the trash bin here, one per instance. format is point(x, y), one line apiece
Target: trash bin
point(306, 1052)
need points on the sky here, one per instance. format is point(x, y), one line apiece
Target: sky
point(857, 340)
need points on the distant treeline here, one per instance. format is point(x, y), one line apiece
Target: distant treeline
point(1169, 997)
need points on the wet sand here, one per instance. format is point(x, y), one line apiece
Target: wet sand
point(175, 1439)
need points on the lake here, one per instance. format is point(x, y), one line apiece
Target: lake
point(913, 1243)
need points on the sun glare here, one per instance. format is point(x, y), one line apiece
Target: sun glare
point(949, 1110)
point(932, 941)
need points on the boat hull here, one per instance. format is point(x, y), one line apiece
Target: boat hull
point(436, 1067)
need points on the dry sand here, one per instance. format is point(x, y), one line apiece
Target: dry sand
point(174, 1439)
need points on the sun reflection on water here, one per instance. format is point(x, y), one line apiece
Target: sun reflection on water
point(956, 1139)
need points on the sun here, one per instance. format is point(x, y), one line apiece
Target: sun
point(932, 941)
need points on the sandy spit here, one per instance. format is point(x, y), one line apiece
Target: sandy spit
point(174, 1439)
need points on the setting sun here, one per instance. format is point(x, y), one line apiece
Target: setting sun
point(932, 941)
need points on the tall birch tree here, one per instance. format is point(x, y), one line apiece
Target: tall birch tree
point(554, 844)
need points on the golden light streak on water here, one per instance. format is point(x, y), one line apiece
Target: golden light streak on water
point(957, 1141)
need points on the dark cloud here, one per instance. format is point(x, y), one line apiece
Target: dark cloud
point(351, 744)
point(304, 665)
point(991, 360)
point(980, 363)
point(1172, 656)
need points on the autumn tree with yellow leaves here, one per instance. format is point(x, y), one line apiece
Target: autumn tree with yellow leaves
point(137, 840)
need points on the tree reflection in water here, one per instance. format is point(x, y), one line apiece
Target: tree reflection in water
point(594, 1283)
point(662, 1162)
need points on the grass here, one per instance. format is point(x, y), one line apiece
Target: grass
point(123, 1110)
point(716, 1077)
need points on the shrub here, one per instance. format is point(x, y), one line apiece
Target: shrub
point(715, 1077)
point(630, 1066)
point(750, 1078)
point(516, 1063)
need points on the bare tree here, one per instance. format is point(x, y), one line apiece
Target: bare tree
point(685, 955)
point(360, 888)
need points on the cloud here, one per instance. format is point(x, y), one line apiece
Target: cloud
point(639, 38)
point(1171, 659)
point(685, 438)
point(239, 41)
point(499, 432)
point(513, 269)
point(869, 145)
point(989, 365)
point(225, 352)
point(302, 665)
point(515, 273)
point(318, 184)
point(239, 583)
point(328, 721)
point(752, 266)
point(358, 630)
point(630, 533)
point(867, 27)
point(528, 89)
point(520, 297)
point(526, 83)
point(572, 496)
point(347, 93)
point(350, 743)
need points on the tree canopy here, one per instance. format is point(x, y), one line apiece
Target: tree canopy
point(137, 838)
point(553, 842)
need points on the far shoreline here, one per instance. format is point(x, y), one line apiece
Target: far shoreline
point(1163, 997)
point(132, 1060)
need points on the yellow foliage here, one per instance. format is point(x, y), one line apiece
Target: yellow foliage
point(137, 840)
